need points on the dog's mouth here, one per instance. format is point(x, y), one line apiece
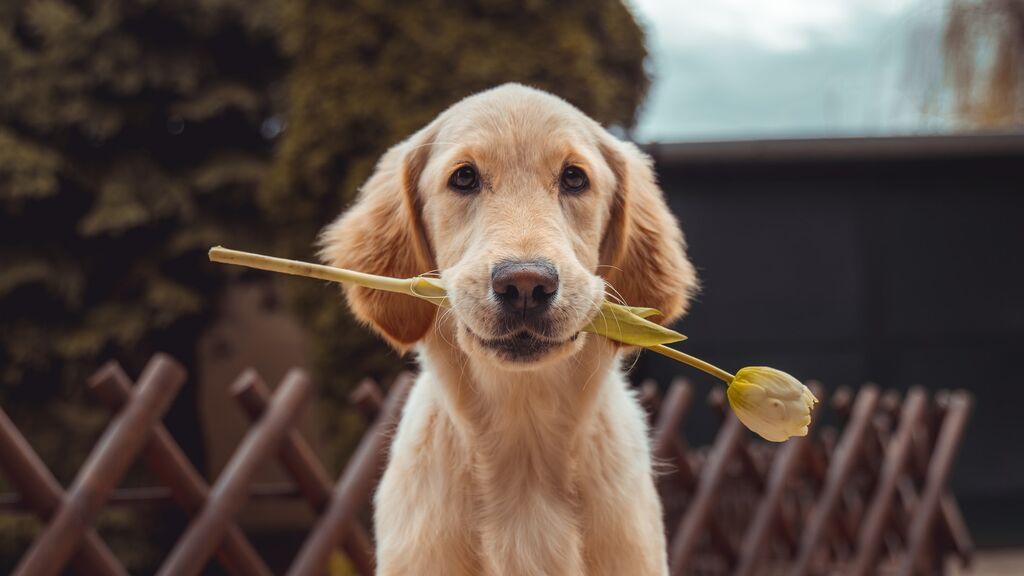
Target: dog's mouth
point(522, 346)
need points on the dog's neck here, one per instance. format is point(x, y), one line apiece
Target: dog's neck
point(554, 400)
point(520, 437)
point(528, 420)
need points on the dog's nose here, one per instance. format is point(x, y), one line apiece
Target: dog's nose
point(524, 285)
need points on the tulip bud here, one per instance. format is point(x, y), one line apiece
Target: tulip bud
point(770, 402)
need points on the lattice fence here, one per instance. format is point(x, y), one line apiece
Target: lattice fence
point(867, 496)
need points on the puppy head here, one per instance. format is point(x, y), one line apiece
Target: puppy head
point(526, 207)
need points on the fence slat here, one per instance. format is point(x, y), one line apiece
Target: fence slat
point(114, 453)
point(951, 522)
point(354, 487)
point(843, 461)
point(230, 492)
point(306, 470)
point(168, 463)
point(941, 464)
point(149, 496)
point(956, 529)
point(767, 515)
point(666, 443)
point(695, 520)
point(893, 466)
point(43, 494)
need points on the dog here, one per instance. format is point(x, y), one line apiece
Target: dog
point(521, 449)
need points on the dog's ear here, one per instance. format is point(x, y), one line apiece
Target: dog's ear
point(383, 234)
point(643, 250)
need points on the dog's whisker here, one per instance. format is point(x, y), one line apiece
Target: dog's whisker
point(438, 321)
point(615, 294)
point(635, 361)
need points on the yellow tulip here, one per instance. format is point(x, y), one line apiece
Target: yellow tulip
point(770, 402)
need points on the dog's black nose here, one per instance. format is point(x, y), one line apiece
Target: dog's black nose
point(528, 286)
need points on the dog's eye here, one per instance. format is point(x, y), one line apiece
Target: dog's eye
point(573, 180)
point(464, 179)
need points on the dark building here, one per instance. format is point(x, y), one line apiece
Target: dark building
point(898, 261)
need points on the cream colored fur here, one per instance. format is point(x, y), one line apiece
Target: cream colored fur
point(501, 467)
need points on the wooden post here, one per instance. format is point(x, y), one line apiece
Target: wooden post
point(846, 454)
point(229, 493)
point(897, 455)
point(696, 518)
point(306, 470)
point(353, 488)
point(43, 494)
point(941, 464)
point(168, 463)
point(114, 453)
point(666, 444)
point(786, 462)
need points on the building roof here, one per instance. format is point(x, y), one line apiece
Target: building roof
point(804, 150)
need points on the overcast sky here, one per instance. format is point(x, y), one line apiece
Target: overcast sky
point(728, 69)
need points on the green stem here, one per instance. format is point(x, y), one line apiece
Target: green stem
point(692, 361)
point(296, 268)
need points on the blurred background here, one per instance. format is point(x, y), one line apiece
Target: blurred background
point(848, 174)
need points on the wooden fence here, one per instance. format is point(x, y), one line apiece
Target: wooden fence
point(864, 497)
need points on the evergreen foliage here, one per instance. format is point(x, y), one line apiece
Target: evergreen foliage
point(129, 142)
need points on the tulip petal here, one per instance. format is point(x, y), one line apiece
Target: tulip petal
point(771, 403)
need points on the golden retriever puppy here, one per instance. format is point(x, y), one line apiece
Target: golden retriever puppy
point(521, 450)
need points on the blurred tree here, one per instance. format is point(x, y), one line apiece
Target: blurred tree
point(984, 49)
point(367, 74)
point(130, 140)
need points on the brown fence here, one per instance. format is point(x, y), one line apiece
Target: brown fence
point(866, 496)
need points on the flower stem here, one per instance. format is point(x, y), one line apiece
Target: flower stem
point(692, 361)
point(296, 268)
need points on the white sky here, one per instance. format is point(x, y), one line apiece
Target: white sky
point(774, 68)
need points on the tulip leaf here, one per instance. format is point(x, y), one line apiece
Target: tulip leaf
point(629, 325)
point(644, 312)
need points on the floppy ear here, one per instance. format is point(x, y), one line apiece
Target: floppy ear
point(383, 234)
point(643, 248)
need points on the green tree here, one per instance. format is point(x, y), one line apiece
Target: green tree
point(367, 74)
point(130, 140)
